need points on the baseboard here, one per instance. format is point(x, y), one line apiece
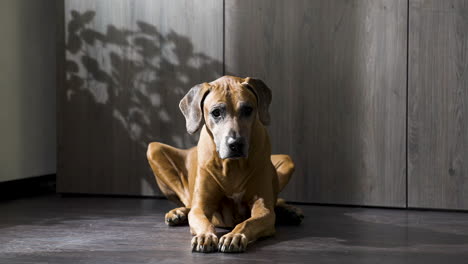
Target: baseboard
point(28, 187)
point(102, 195)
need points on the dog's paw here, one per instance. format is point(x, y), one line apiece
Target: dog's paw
point(205, 243)
point(233, 243)
point(177, 216)
point(287, 214)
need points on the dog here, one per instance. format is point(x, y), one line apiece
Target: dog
point(230, 179)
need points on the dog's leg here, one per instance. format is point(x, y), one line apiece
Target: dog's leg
point(168, 165)
point(260, 224)
point(287, 214)
point(206, 199)
point(284, 168)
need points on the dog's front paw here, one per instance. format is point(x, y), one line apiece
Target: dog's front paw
point(205, 243)
point(177, 216)
point(233, 243)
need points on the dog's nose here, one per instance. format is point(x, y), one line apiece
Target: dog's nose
point(235, 144)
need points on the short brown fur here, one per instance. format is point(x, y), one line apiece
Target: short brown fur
point(214, 192)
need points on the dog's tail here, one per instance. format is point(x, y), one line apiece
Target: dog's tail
point(287, 214)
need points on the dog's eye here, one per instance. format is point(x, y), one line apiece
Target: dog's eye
point(246, 111)
point(216, 113)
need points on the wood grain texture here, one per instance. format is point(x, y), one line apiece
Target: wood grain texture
point(128, 63)
point(438, 104)
point(337, 70)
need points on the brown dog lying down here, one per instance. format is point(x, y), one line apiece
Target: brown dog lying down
point(230, 179)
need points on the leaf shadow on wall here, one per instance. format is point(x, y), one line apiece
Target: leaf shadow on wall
point(123, 88)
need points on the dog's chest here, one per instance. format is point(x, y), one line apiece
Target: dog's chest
point(234, 177)
point(237, 197)
point(240, 208)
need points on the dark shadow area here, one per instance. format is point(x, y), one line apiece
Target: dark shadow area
point(28, 187)
point(122, 91)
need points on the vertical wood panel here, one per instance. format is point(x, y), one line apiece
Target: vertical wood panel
point(438, 104)
point(338, 74)
point(128, 63)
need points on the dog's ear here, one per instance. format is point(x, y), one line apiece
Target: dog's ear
point(263, 94)
point(192, 107)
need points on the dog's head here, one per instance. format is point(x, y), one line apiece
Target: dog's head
point(229, 107)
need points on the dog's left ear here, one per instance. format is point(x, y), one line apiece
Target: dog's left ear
point(263, 94)
point(192, 107)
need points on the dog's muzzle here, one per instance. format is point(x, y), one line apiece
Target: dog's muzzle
point(236, 148)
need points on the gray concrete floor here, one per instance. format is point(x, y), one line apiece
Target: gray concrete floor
point(51, 229)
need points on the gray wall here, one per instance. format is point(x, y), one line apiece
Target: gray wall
point(27, 89)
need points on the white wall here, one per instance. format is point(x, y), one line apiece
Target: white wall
point(27, 88)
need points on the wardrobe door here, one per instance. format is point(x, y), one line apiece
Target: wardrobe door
point(128, 64)
point(337, 70)
point(438, 104)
